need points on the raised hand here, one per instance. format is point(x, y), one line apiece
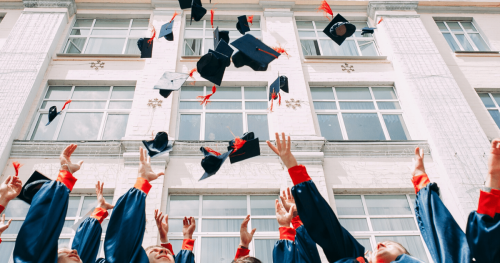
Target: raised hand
point(101, 202)
point(189, 225)
point(10, 189)
point(283, 150)
point(162, 226)
point(4, 226)
point(245, 236)
point(418, 162)
point(66, 163)
point(145, 170)
point(493, 179)
point(284, 218)
point(287, 200)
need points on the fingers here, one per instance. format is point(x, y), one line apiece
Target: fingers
point(8, 223)
point(141, 154)
point(293, 209)
point(290, 196)
point(277, 204)
point(275, 150)
point(149, 159)
point(166, 218)
point(2, 220)
point(283, 199)
point(289, 147)
point(8, 180)
point(69, 150)
point(422, 153)
point(244, 224)
point(253, 231)
point(278, 142)
point(160, 174)
point(156, 215)
point(184, 221)
point(80, 163)
point(495, 143)
point(283, 142)
point(193, 223)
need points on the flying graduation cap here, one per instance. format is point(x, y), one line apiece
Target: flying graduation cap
point(32, 186)
point(167, 29)
point(244, 148)
point(170, 81)
point(212, 65)
point(145, 46)
point(53, 112)
point(197, 10)
point(339, 29)
point(368, 30)
point(212, 161)
point(159, 145)
point(218, 35)
point(281, 83)
point(242, 24)
point(253, 53)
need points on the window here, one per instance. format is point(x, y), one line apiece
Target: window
point(359, 113)
point(491, 102)
point(232, 110)
point(462, 36)
point(218, 220)
point(106, 36)
point(78, 206)
point(377, 218)
point(199, 37)
point(95, 113)
point(316, 43)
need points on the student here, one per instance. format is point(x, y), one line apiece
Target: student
point(9, 190)
point(242, 253)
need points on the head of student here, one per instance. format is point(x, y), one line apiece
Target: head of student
point(246, 259)
point(67, 255)
point(387, 252)
point(157, 254)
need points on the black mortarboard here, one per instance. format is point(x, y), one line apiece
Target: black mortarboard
point(32, 186)
point(339, 29)
point(218, 35)
point(197, 11)
point(167, 31)
point(253, 53)
point(212, 66)
point(53, 112)
point(281, 83)
point(145, 47)
point(170, 81)
point(185, 3)
point(368, 30)
point(211, 163)
point(242, 25)
point(249, 149)
point(159, 145)
point(224, 48)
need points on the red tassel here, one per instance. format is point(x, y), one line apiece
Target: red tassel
point(154, 34)
point(175, 14)
point(279, 100)
point(250, 19)
point(381, 19)
point(238, 143)
point(273, 96)
point(325, 7)
point(192, 72)
point(206, 99)
point(66, 103)
point(212, 17)
point(267, 52)
point(212, 151)
point(16, 167)
point(281, 50)
point(361, 259)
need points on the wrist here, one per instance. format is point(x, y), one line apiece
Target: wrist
point(164, 240)
point(188, 236)
point(4, 202)
point(243, 245)
point(284, 225)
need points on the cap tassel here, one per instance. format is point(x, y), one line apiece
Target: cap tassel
point(191, 76)
point(212, 17)
point(250, 19)
point(66, 103)
point(175, 14)
point(325, 7)
point(238, 143)
point(212, 151)
point(281, 50)
point(361, 259)
point(273, 96)
point(16, 167)
point(279, 100)
point(267, 52)
point(380, 21)
point(152, 37)
point(206, 99)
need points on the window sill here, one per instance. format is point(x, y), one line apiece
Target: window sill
point(343, 58)
point(99, 55)
point(190, 58)
point(477, 54)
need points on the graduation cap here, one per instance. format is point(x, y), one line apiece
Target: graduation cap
point(159, 145)
point(170, 81)
point(281, 83)
point(212, 66)
point(197, 11)
point(253, 53)
point(220, 35)
point(339, 29)
point(53, 112)
point(32, 186)
point(167, 32)
point(212, 161)
point(185, 3)
point(242, 25)
point(244, 148)
point(146, 47)
point(368, 30)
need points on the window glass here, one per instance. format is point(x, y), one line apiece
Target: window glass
point(330, 127)
point(14, 228)
point(175, 225)
point(84, 22)
point(265, 225)
point(263, 205)
point(393, 224)
point(454, 26)
point(189, 128)
point(441, 26)
point(140, 23)
point(330, 48)
point(80, 126)
point(191, 92)
point(91, 93)
point(464, 42)
point(255, 105)
point(323, 105)
point(258, 93)
point(496, 116)
point(384, 93)
point(221, 225)
point(184, 205)
point(115, 128)
point(112, 23)
point(396, 127)
point(224, 205)
point(356, 105)
point(310, 47)
point(393, 105)
point(349, 205)
point(322, 93)
point(224, 105)
point(368, 48)
point(464, 33)
point(257, 123)
point(218, 126)
point(353, 93)
point(363, 126)
point(479, 42)
point(264, 249)
point(387, 205)
point(122, 93)
point(354, 224)
point(58, 93)
point(90, 202)
point(43, 131)
point(219, 249)
point(365, 242)
point(451, 41)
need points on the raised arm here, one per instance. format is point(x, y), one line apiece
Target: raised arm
point(316, 214)
point(245, 239)
point(9, 190)
point(162, 225)
point(284, 249)
point(444, 238)
point(186, 254)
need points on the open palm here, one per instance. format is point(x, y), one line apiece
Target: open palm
point(65, 159)
point(145, 170)
point(284, 218)
point(10, 188)
point(4, 226)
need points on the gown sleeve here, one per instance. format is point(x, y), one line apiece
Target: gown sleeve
point(319, 219)
point(37, 240)
point(284, 249)
point(443, 236)
point(88, 235)
point(241, 252)
point(483, 228)
point(186, 254)
point(307, 251)
point(123, 242)
point(169, 247)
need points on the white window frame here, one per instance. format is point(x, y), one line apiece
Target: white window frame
point(203, 111)
point(106, 112)
point(496, 107)
point(464, 32)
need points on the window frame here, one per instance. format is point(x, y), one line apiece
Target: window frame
point(488, 109)
point(465, 33)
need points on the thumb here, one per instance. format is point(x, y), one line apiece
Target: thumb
point(8, 223)
point(251, 233)
point(80, 163)
point(293, 208)
point(111, 206)
point(160, 174)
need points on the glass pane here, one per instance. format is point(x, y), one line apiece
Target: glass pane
point(43, 132)
point(221, 225)
point(218, 126)
point(263, 205)
point(74, 202)
point(189, 105)
point(120, 105)
point(91, 93)
point(363, 126)
point(265, 225)
point(76, 105)
point(396, 127)
point(6, 249)
point(67, 227)
point(384, 93)
point(353, 93)
point(14, 228)
point(139, 33)
point(224, 24)
point(177, 245)
point(84, 22)
point(192, 23)
point(329, 126)
point(451, 41)
point(349, 205)
point(219, 249)
point(304, 25)
point(365, 242)
point(322, 93)
point(255, 105)
point(105, 45)
point(356, 105)
point(464, 42)
point(303, 33)
point(413, 244)
point(226, 93)
point(320, 25)
point(257, 123)
point(16, 208)
point(49, 103)
point(264, 249)
point(140, 23)
point(389, 105)
point(75, 45)
point(387, 205)
point(310, 47)
point(80, 32)
point(58, 93)
point(479, 42)
point(63, 243)
point(191, 92)
point(441, 26)
point(122, 93)
point(255, 93)
point(132, 47)
point(359, 25)
point(194, 33)
point(325, 105)
point(393, 224)
point(192, 47)
point(486, 99)
point(80, 126)
point(224, 205)
point(208, 44)
point(224, 105)
point(454, 26)
point(468, 27)
point(368, 48)
point(110, 32)
point(112, 23)
point(354, 224)
point(412, 200)
point(115, 128)
point(496, 116)
point(90, 202)
point(331, 48)
point(184, 205)
point(175, 225)
point(189, 127)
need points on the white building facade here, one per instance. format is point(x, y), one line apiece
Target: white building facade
point(427, 77)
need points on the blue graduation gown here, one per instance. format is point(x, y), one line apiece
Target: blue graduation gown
point(38, 237)
point(300, 250)
point(88, 235)
point(186, 254)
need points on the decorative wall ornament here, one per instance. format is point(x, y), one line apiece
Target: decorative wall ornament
point(97, 65)
point(347, 67)
point(292, 103)
point(155, 103)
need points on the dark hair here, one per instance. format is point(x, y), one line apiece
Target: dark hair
point(247, 260)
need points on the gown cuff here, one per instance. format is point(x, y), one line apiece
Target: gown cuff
point(143, 185)
point(188, 244)
point(296, 222)
point(241, 252)
point(0, 240)
point(420, 181)
point(488, 203)
point(298, 174)
point(169, 247)
point(1, 208)
point(100, 214)
point(67, 179)
point(287, 233)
